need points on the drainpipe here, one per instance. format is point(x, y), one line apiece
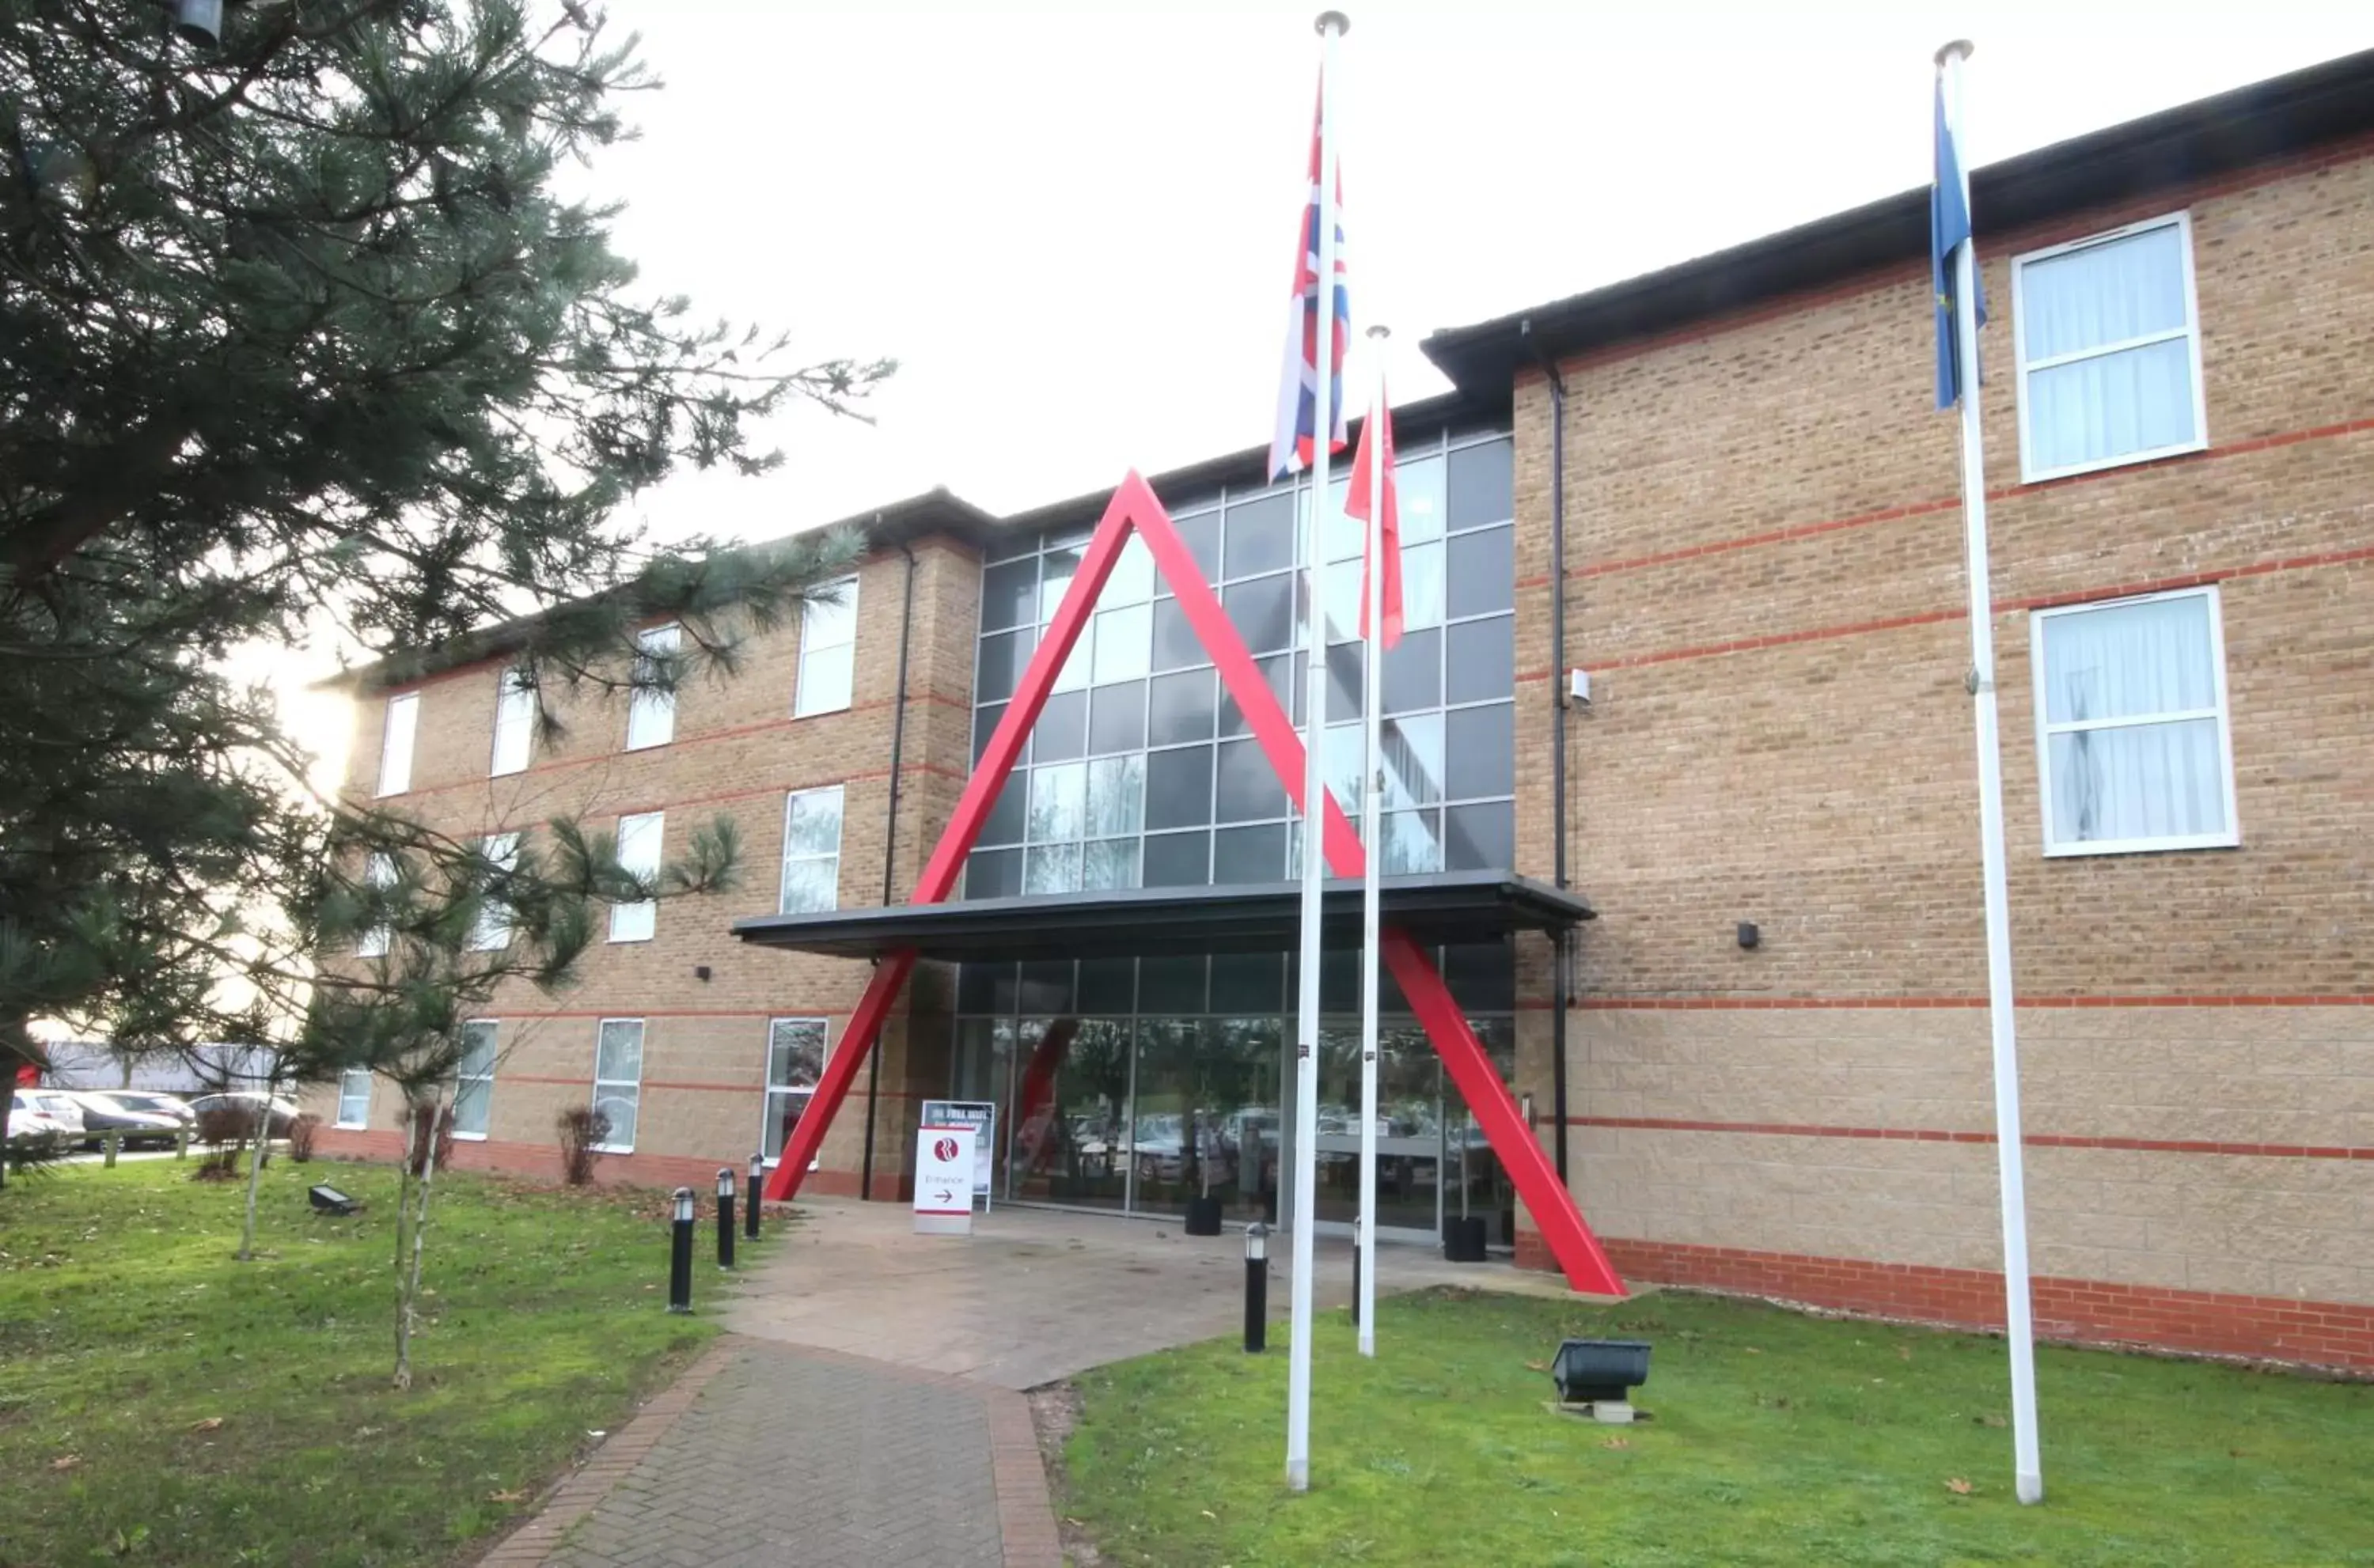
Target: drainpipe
point(890, 851)
point(1560, 983)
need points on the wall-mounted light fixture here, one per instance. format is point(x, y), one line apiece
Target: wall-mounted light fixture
point(1749, 935)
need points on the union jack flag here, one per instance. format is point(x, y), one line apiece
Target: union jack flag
point(1290, 442)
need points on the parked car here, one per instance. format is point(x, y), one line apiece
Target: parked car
point(55, 1104)
point(103, 1113)
point(29, 1122)
point(249, 1100)
point(173, 1105)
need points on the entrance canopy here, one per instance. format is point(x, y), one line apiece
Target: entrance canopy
point(1450, 907)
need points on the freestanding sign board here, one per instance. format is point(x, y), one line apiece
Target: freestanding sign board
point(981, 1116)
point(943, 1180)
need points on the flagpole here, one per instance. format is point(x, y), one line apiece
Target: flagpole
point(1371, 900)
point(1330, 25)
point(2027, 1469)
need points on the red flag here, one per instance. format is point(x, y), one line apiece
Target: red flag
point(1377, 445)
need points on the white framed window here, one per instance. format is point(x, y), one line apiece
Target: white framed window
point(639, 852)
point(795, 1053)
point(811, 852)
point(619, 1081)
point(378, 872)
point(474, 1079)
point(651, 711)
point(397, 732)
point(494, 927)
point(2132, 739)
point(354, 1097)
point(828, 650)
point(2106, 333)
point(514, 723)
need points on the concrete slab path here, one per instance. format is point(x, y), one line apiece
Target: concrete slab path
point(866, 1408)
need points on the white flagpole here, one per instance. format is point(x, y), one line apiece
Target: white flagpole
point(2027, 1467)
point(1373, 852)
point(1314, 793)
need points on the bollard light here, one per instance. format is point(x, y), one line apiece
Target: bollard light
point(750, 1215)
point(1256, 1288)
point(680, 1254)
point(199, 22)
point(1600, 1372)
point(725, 1216)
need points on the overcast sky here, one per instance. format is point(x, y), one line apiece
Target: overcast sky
point(1072, 226)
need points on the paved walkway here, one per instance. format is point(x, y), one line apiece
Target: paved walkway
point(872, 1377)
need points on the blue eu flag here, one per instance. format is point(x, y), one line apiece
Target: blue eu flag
point(1949, 225)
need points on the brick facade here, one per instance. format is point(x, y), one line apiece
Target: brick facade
point(1764, 574)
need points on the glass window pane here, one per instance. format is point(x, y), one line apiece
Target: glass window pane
point(1176, 647)
point(1178, 859)
point(1073, 676)
point(1413, 842)
point(1202, 537)
point(472, 1100)
point(1262, 610)
point(985, 987)
point(992, 874)
point(2103, 294)
point(2128, 661)
point(1249, 789)
point(477, 1049)
point(1417, 492)
point(1108, 862)
point(1283, 676)
point(1482, 975)
point(812, 822)
point(1181, 707)
point(1107, 985)
point(1422, 598)
point(1061, 732)
point(1479, 838)
point(1132, 578)
point(1116, 796)
point(1117, 719)
point(1124, 640)
point(1482, 572)
point(1413, 673)
point(794, 1053)
point(1339, 587)
point(826, 678)
point(1003, 825)
point(1339, 764)
point(618, 1106)
point(810, 886)
point(1249, 855)
point(1051, 868)
point(2137, 781)
point(1009, 595)
point(1480, 485)
point(618, 1051)
point(2136, 400)
point(1343, 694)
point(1481, 746)
point(1047, 986)
point(1002, 662)
point(1482, 658)
point(1248, 982)
point(1058, 802)
point(1413, 760)
point(1171, 984)
point(1054, 580)
point(984, 725)
point(1261, 535)
point(1178, 787)
point(1007, 542)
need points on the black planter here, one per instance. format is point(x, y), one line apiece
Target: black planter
point(1463, 1240)
point(1203, 1216)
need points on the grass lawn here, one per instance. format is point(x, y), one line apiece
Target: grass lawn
point(127, 1332)
point(1777, 1438)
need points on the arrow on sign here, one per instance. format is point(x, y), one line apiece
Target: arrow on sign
point(944, 1195)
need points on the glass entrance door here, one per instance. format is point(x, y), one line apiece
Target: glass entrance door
point(1409, 1128)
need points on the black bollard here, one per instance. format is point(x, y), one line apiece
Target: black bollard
point(750, 1216)
point(680, 1254)
point(725, 1216)
point(1356, 1284)
point(1256, 1288)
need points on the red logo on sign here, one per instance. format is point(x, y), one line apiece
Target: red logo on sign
point(944, 1149)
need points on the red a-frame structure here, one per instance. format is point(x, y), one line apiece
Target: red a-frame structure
point(1135, 507)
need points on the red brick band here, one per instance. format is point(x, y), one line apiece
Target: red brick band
point(1812, 1003)
point(1942, 1135)
point(2323, 1333)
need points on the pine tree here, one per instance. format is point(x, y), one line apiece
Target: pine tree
point(300, 339)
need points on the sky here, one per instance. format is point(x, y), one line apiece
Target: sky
point(1072, 226)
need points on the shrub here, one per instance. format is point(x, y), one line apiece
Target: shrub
point(224, 1131)
point(581, 1128)
point(416, 1137)
point(301, 1133)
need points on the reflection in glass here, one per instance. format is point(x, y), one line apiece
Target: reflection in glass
point(1413, 760)
point(1070, 1098)
point(1262, 612)
point(1116, 794)
point(1117, 717)
point(1422, 585)
point(1061, 732)
point(1181, 707)
point(1051, 868)
point(1125, 643)
point(1248, 787)
point(1413, 842)
point(1058, 802)
point(1107, 864)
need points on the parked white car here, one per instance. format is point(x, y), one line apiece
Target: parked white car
point(33, 1119)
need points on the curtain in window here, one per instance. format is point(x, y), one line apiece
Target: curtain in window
point(2128, 400)
point(2140, 776)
